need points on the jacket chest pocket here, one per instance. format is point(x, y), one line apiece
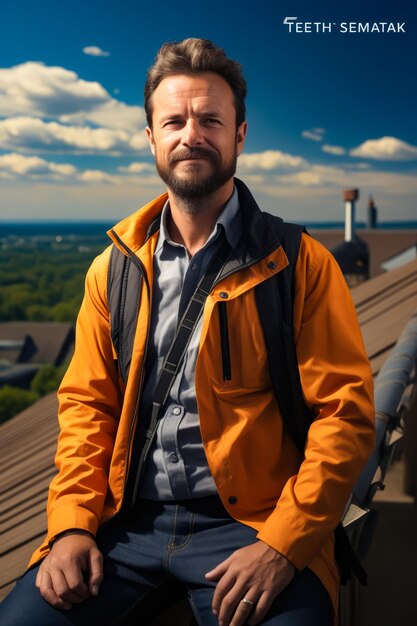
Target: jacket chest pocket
point(242, 346)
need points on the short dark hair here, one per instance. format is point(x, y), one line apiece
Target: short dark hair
point(193, 56)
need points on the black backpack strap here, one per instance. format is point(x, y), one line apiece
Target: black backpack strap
point(176, 352)
point(124, 286)
point(274, 298)
point(346, 559)
point(186, 327)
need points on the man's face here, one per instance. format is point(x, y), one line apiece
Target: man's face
point(194, 137)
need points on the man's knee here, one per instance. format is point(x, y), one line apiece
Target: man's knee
point(24, 606)
point(304, 601)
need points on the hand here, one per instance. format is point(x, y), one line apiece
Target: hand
point(73, 559)
point(256, 572)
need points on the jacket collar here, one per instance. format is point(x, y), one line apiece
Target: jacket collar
point(257, 239)
point(136, 229)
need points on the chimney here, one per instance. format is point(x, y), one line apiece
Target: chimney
point(350, 196)
point(372, 213)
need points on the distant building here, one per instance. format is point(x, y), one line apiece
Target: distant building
point(26, 346)
point(372, 213)
point(352, 254)
point(387, 248)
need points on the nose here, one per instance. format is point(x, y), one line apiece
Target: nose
point(192, 134)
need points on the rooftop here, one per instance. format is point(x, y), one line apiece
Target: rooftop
point(50, 341)
point(383, 244)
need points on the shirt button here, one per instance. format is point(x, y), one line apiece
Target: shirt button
point(194, 266)
point(173, 458)
point(177, 410)
point(232, 500)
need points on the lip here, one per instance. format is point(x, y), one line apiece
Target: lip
point(193, 159)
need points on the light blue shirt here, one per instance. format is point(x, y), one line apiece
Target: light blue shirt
point(176, 466)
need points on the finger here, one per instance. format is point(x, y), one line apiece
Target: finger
point(74, 575)
point(230, 602)
point(244, 608)
point(261, 608)
point(96, 571)
point(62, 589)
point(219, 570)
point(76, 584)
point(47, 592)
point(223, 587)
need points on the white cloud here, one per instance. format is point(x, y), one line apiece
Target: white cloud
point(268, 160)
point(17, 165)
point(47, 91)
point(137, 168)
point(305, 179)
point(323, 179)
point(337, 150)
point(94, 51)
point(22, 167)
point(34, 135)
point(35, 89)
point(112, 114)
point(386, 149)
point(316, 193)
point(313, 176)
point(278, 168)
point(315, 134)
point(97, 176)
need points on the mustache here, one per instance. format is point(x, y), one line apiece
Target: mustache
point(194, 153)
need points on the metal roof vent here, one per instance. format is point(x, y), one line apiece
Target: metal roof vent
point(352, 255)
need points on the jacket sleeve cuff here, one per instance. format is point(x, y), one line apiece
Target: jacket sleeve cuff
point(68, 516)
point(299, 543)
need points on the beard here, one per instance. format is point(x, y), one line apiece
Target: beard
point(194, 185)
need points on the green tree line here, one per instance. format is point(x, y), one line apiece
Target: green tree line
point(42, 285)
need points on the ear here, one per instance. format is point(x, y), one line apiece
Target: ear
point(150, 139)
point(240, 137)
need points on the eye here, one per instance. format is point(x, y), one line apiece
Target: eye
point(174, 123)
point(211, 120)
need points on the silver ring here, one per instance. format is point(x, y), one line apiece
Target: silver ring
point(246, 601)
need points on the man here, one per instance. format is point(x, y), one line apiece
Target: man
point(225, 502)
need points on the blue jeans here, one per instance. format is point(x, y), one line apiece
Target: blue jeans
point(158, 541)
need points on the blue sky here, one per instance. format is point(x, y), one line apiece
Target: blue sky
point(326, 110)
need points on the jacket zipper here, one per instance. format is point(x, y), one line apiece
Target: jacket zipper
point(224, 340)
point(122, 312)
point(224, 327)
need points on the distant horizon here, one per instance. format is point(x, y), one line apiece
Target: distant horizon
point(327, 223)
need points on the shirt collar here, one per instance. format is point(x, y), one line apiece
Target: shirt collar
point(229, 219)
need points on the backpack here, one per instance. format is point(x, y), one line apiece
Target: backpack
point(274, 298)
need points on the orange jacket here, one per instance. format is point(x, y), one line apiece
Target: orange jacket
point(293, 502)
